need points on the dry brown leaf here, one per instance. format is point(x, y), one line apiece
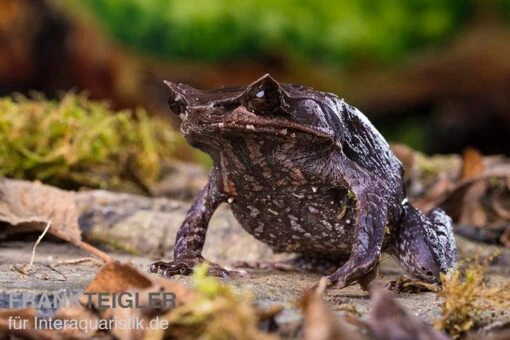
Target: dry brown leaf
point(428, 179)
point(320, 322)
point(473, 190)
point(389, 320)
point(434, 195)
point(472, 164)
point(25, 328)
point(78, 314)
point(472, 212)
point(29, 206)
point(115, 278)
point(32, 205)
point(23, 313)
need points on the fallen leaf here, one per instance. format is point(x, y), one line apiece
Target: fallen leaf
point(24, 327)
point(320, 323)
point(472, 164)
point(29, 206)
point(32, 205)
point(115, 278)
point(389, 320)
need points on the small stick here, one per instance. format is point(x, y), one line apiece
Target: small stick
point(58, 271)
point(27, 269)
point(19, 270)
point(77, 261)
point(94, 251)
point(83, 245)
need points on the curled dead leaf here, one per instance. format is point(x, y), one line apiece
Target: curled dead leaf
point(29, 206)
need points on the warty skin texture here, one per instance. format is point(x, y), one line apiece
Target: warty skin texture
point(306, 173)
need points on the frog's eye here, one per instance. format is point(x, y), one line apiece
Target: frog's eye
point(265, 101)
point(263, 96)
point(177, 104)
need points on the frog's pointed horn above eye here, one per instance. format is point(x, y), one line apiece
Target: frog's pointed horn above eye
point(177, 101)
point(264, 96)
point(178, 89)
point(266, 83)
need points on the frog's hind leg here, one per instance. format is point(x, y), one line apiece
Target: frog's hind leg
point(300, 263)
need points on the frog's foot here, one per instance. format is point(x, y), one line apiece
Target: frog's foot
point(408, 285)
point(301, 264)
point(184, 266)
point(364, 280)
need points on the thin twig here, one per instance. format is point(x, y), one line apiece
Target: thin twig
point(83, 245)
point(30, 264)
point(78, 261)
point(57, 271)
point(94, 251)
point(17, 269)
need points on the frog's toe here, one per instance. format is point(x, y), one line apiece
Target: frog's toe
point(185, 267)
point(226, 273)
point(339, 284)
point(169, 269)
point(409, 285)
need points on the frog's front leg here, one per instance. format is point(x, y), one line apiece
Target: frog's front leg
point(371, 220)
point(190, 238)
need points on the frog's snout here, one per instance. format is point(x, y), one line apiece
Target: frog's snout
point(427, 268)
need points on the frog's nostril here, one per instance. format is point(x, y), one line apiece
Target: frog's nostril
point(427, 271)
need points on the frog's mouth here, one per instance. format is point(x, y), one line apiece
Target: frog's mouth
point(242, 120)
point(277, 127)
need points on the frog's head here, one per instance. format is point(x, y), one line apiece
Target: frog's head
point(265, 106)
point(425, 244)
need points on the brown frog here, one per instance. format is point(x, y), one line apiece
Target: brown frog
point(304, 172)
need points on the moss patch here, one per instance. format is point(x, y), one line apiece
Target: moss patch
point(76, 142)
point(468, 300)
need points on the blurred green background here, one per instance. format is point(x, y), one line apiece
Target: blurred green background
point(338, 32)
point(432, 74)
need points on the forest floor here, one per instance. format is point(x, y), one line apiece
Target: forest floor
point(269, 287)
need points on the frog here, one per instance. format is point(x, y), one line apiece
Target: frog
point(305, 173)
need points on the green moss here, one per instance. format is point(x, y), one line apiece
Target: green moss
point(219, 310)
point(467, 300)
point(76, 142)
